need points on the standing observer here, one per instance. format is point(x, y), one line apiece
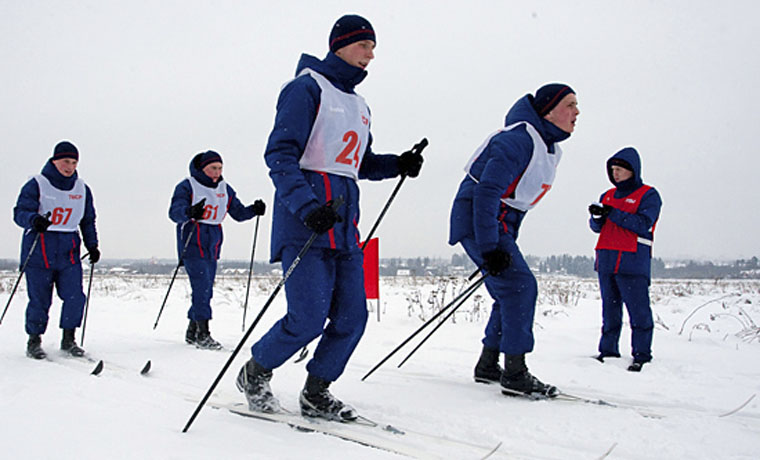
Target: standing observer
point(51, 208)
point(198, 206)
point(625, 220)
point(319, 148)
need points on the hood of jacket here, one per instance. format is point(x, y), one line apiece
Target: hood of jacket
point(630, 156)
point(341, 74)
point(523, 111)
point(57, 179)
point(201, 176)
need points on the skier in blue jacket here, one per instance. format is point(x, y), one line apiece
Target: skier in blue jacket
point(625, 218)
point(51, 208)
point(507, 176)
point(198, 206)
point(319, 148)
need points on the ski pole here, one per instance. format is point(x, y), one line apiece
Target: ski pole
point(418, 148)
point(466, 293)
point(250, 270)
point(21, 273)
point(453, 310)
point(337, 203)
point(176, 269)
point(87, 302)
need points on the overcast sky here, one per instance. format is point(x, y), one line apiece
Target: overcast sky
point(140, 87)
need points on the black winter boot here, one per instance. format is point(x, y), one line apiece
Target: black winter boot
point(517, 380)
point(488, 370)
point(253, 381)
point(601, 356)
point(636, 366)
point(34, 347)
point(317, 401)
point(191, 333)
point(69, 345)
point(203, 338)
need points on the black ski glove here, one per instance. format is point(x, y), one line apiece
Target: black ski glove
point(496, 261)
point(94, 255)
point(196, 211)
point(258, 207)
point(410, 163)
point(598, 211)
point(322, 218)
point(40, 223)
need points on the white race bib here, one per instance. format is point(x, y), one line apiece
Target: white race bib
point(66, 207)
point(216, 201)
point(340, 133)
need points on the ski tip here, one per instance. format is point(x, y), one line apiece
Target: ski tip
point(98, 368)
point(145, 369)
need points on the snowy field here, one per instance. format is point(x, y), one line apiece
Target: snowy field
point(682, 406)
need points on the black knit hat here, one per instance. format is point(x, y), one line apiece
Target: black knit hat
point(65, 149)
point(619, 162)
point(349, 29)
point(548, 96)
point(209, 157)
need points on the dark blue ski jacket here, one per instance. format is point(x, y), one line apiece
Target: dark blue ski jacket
point(206, 240)
point(297, 191)
point(54, 249)
point(640, 223)
point(478, 210)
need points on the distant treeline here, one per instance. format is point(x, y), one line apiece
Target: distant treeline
point(459, 264)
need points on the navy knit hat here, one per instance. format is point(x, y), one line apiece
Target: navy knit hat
point(209, 157)
point(349, 29)
point(548, 96)
point(65, 149)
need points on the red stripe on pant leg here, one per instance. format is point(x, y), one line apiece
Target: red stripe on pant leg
point(44, 252)
point(198, 237)
point(328, 197)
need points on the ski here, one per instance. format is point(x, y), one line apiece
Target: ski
point(99, 364)
point(567, 397)
point(94, 371)
point(369, 433)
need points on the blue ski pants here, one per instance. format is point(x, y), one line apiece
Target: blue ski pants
point(202, 273)
point(510, 326)
point(633, 291)
point(326, 298)
point(67, 280)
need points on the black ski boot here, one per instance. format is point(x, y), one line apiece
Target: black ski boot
point(253, 381)
point(69, 345)
point(191, 333)
point(488, 370)
point(317, 401)
point(34, 347)
point(203, 338)
point(516, 379)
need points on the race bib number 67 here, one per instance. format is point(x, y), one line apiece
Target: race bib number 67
point(60, 216)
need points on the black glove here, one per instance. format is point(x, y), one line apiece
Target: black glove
point(40, 223)
point(410, 163)
point(496, 261)
point(196, 211)
point(322, 218)
point(598, 210)
point(94, 255)
point(258, 207)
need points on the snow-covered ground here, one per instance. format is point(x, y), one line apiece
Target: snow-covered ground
point(706, 350)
